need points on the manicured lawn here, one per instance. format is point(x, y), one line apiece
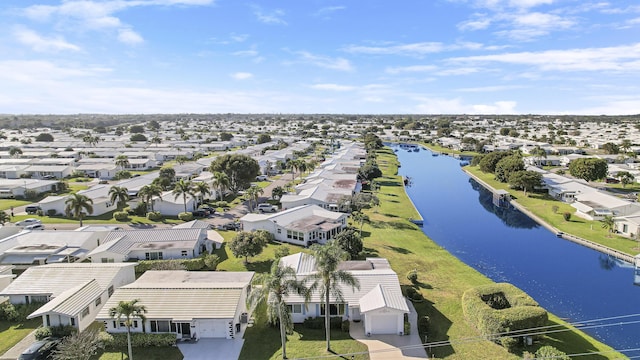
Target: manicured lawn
point(6, 204)
point(543, 205)
point(102, 219)
point(12, 333)
point(151, 353)
point(441, 149)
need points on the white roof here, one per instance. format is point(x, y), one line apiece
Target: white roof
point(382, 297)
point(295, 214)
point(72, 301)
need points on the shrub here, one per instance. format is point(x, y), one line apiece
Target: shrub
point(509, 343)
point(318, 323)
point(566, 216)
point(119, 341)
point(211, 261)
point(40, 212)
point(140, 209)
point(485, 309)
point(555, 208)
point(55, 331)
point(412, 294)
point(185, 216)
point(413, 276)
point(346, 325)
point(423, 324)
point(187, 264)
point(18, 312)
point(281, 252)
point(549, 352)
point(154, 216)
point(51, 212)
point(121, 216)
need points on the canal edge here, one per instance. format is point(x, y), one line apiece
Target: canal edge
point(575, 239)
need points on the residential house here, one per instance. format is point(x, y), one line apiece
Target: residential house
point(378, 302)
point(596, 205)
point(6, 277)
point(169, 204)
point(72, 294)
point(190, 304)
point(302, 225)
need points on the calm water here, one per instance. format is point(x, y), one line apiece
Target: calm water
point(567, 279)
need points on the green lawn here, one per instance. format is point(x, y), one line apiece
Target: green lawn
point(440, 149)
point(151, 353)
point(542, 206)
point(12, 333)
point(102, 219)
point(6, 204)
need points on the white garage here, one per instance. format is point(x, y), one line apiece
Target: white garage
point(383, 311)
point(213, 328)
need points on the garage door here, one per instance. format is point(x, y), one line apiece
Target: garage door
point(213, 328)
point(383, 324)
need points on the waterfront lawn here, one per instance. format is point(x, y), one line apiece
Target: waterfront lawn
point(12, 332)
point(440, 149)
point(542, 206)
point(442, 278)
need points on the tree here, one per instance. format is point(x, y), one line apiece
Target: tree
point(136, 129)
point(538, 153)
point(183, 188)
point(241, 169)
point(277, 192)
point(248, 244)
point(225, 136)
point(221, 183)
point(372, 142)
point(76, 205)
point(202, 189)
point(271, 289)
point(122, 161)
point(127, 310)
point(147, 192)
point(15, 152)
point(625, 145)
point(119, 195)
point(608, 223)
point(507, 166)
point(254, 193)
point(153, 125)
point(625, 177)
point(90, 139)
point(4, 217)
point(525, 180)
point(168, 172)
point(138, 137)
point(359, 217)
point(611, 148)
point(350, 241)
point(44, 137)
point(156, 140)
point(369, 171)
point(79, 346)
point(489, 161)
point(263, 138)
point(590, 169)
point(328, 279)
point(181, 159)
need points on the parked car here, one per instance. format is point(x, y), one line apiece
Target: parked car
point(264, 207)
point(200, 213)
point(262, 178)
point(208, 209)
point(34, 227)
point(40, 350)
point(29, 221)
point(48, 177)
point(32, 209)
point(229, 226)
point(612, 181)
point(103, 181)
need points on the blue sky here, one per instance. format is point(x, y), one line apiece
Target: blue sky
point(319, 56)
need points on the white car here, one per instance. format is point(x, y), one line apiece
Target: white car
point(29, 221)
point(264, 207)
point(34, 227)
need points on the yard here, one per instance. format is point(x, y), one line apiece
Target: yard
point(11, 333)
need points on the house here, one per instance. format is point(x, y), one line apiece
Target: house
point(72, 294)
point(596, 205)
point(190, 304)
point(302, 225)
point(45, 171)
point(6, 276)
point(154, 244)
point(327, 194)
point(378, 302)
point(628, 226)
point(170, 205)
point(100, 171)
point(16, 188)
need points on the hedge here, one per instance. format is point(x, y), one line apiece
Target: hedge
point(318, 323)
point(518, 313)
point(54, 331)
point(189, 264)
point(121, 216)
point(18, 312)
point(154, 215)
point(185, 216)
point(119, 341)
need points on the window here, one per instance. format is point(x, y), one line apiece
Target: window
point(334, 309)
point(39, 299)
point(184, 253)
point(156, 255)
point(106, 260)
point(135, 323)
point(295, 308)
point(160, 326)
point(73, 321)
point(115, 326)
point(110, 290)
point(295, 235)
point(98, 302)
point(85, 312)
point(279, 231)
point(625, 228)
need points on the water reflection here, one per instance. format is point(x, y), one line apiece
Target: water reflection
point(607, 262)
point(509, 216)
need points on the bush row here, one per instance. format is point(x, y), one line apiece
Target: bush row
point(205, 262)
point(55, 331)
point(521, 312)
point(318, 323)
point(119, 341)
point(17, 313)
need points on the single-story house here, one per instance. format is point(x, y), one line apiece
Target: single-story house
point(72, 294)
point(11, 188)
point(12, 171)
point(190, 304)
point(170, 205)
point(628, 226)
point(378, 302)
point(302, 225)
point(57, 171)
point(100, 171)
point(6, 276)
point(596, 205)
point(154, 244)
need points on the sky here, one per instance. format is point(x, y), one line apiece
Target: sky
point(320, 56)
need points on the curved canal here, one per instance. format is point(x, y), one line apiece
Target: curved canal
point(567, 279)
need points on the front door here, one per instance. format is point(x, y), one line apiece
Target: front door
point(185, 330)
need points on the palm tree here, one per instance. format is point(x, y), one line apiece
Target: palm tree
point(119, 195)
point(156, 140)
point(4, 217)
point(360, 218)
point(203, 189)
point(76, 203)
point(538, 153)
point(122, 161)
point(147, 193)
point(221, 182)
point(271, 289)
point(128, 310)
point(609, 224)
point(183, 188)
point(254, 193)
point(328, 278)
point(15, 152)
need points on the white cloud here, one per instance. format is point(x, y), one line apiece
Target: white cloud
point(456, 106)
point(129, 37)
point(273, 17)
point(242, 75)
point(332, 87)
point(421, 48)
point(623, 58)
point(326, 62)
point(326, 11)
point(483, 89)
point(411, 69)
point(42, 44)
point(481, 22)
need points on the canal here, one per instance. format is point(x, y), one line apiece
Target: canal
point(569, 280)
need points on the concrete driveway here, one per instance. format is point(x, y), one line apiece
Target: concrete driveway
point(212, 349)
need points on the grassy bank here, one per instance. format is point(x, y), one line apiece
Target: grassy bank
point(443, 278)
point(542, 205)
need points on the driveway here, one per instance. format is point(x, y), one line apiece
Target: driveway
point(212, 349)
point(392, 347)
